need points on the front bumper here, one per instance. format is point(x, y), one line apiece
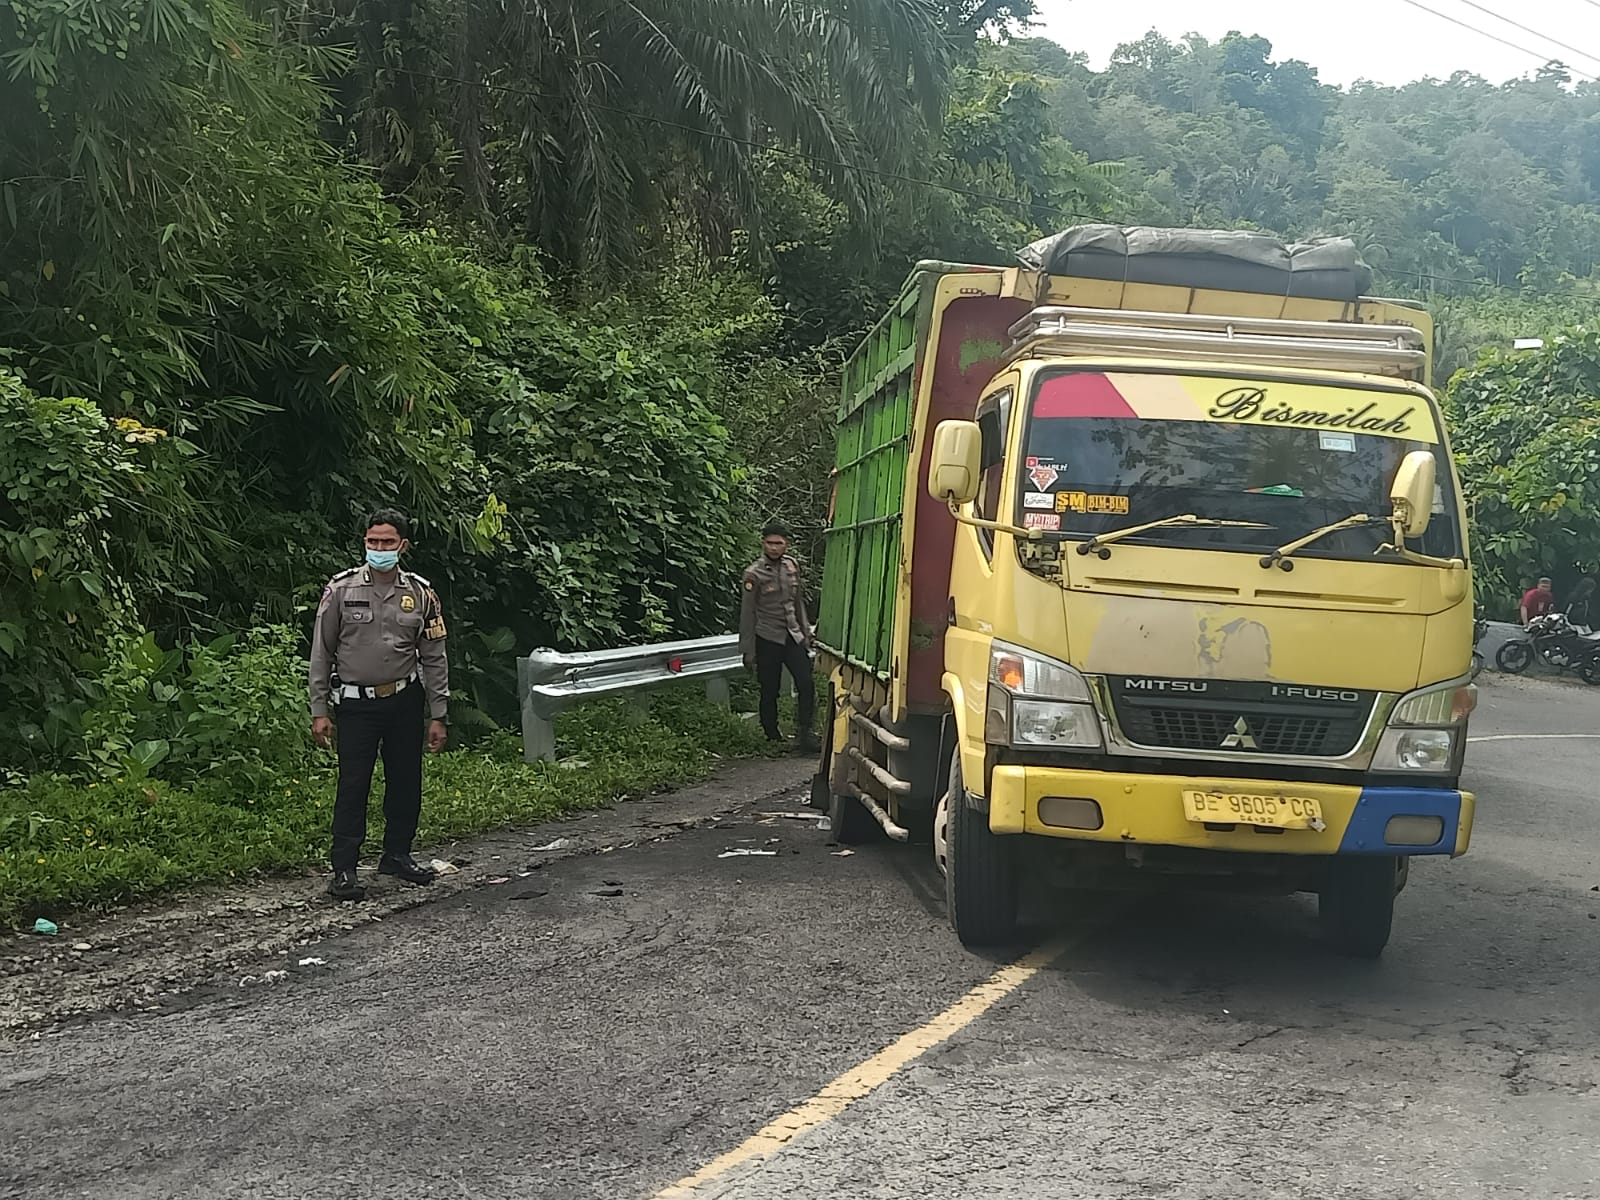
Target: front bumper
point(1148, 809)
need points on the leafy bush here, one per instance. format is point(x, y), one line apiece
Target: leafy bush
point(231, 711)
point(81, 496)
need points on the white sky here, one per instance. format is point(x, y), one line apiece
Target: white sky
point(1387, 41)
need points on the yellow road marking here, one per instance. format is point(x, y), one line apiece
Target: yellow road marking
point(863, 1080)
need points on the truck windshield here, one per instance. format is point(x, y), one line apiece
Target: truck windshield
point(1108, 450)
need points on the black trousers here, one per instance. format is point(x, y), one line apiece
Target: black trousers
point(390, 727)
point(771, 659)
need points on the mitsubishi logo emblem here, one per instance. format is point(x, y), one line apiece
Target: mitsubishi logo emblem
point(1241, 738)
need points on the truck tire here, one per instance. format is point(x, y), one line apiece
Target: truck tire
point(980, 881)
point(1356, 906)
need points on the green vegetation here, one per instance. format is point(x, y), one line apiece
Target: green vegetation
point(69, 843)
point(569, 283)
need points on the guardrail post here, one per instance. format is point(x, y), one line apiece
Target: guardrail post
point(538, 734)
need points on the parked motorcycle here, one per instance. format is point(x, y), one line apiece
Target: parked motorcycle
point(1556, 642)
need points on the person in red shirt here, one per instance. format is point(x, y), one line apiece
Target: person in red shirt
point(1537, 601)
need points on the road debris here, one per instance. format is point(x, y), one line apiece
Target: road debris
point(558, 844)
point(498, 879)
point(440, 867)
point(609, 892)
point(744, 851)
point(843, 853)
point(269, 977)
point(313, 962)
point(48, 928)
point(80, 946)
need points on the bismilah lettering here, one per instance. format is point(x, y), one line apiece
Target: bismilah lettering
point(1252, 404)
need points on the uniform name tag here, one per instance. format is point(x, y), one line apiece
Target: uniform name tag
point(358, 604)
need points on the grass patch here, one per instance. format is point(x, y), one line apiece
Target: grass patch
point(67, 843)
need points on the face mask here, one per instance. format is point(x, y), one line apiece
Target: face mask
point(383, 560)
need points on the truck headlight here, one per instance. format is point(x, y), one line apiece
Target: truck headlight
point(1053, 723)
point(1427, 730)
point(1038, 701)
point(1416, 750)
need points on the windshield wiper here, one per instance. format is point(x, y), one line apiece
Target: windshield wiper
point(1282, 556)
point(1187, 521)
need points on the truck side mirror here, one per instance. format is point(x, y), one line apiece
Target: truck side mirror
point(1412, 493)
point(954, 468)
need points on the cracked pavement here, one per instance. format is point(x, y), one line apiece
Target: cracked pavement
point(543, 1038)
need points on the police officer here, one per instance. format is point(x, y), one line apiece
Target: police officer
point(377, 655)
point(774, 633)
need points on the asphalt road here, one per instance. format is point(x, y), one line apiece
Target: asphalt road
point(548, 1037)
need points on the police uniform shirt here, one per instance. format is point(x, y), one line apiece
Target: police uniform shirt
point(773, 608)
point(370, 634)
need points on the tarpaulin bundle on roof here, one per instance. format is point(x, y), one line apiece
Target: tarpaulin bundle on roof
point(1215, 259)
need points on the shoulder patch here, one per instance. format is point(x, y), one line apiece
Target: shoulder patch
point(749, 584)
point(345, 574)
point(419, 580)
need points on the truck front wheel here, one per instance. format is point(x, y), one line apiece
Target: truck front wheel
point(1356, 906)
point(980, 879)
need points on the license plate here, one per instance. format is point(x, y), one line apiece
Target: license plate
point(1240, 808)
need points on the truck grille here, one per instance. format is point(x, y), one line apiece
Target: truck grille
point(1238, 722)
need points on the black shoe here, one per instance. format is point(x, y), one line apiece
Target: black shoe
point(405, 867)
point(345, 886)
point(807, 743)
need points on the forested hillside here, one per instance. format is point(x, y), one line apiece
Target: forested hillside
point(569, 281)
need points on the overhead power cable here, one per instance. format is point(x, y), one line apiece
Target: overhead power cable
point(1529, 29)
point(1493, 37)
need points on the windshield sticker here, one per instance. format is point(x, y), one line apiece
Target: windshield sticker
point(1277, 489)
point(1043, 477)
point(1323, 407)
point(1039, 520)
point(1038, 500)
point(1089, 502)
point(1337, 441)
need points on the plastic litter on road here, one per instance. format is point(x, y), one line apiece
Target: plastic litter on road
point(440, 867)
point(313, 962)
point(843, 853)
point(743, 851)
point(558, 844)
point(47, 928)
point(269, 977)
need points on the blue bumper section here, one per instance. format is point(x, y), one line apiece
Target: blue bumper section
point(1364, 834)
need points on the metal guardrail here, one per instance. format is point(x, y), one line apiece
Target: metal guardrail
point(549, 681)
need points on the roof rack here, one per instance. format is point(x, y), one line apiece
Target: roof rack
point(1339, 345)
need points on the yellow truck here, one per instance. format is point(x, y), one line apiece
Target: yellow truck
point(1148, 558)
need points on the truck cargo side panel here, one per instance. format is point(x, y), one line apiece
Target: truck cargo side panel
point(863, 547)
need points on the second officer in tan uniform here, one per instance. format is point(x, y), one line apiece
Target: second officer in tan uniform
point(377, 655)
point(774, 634)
